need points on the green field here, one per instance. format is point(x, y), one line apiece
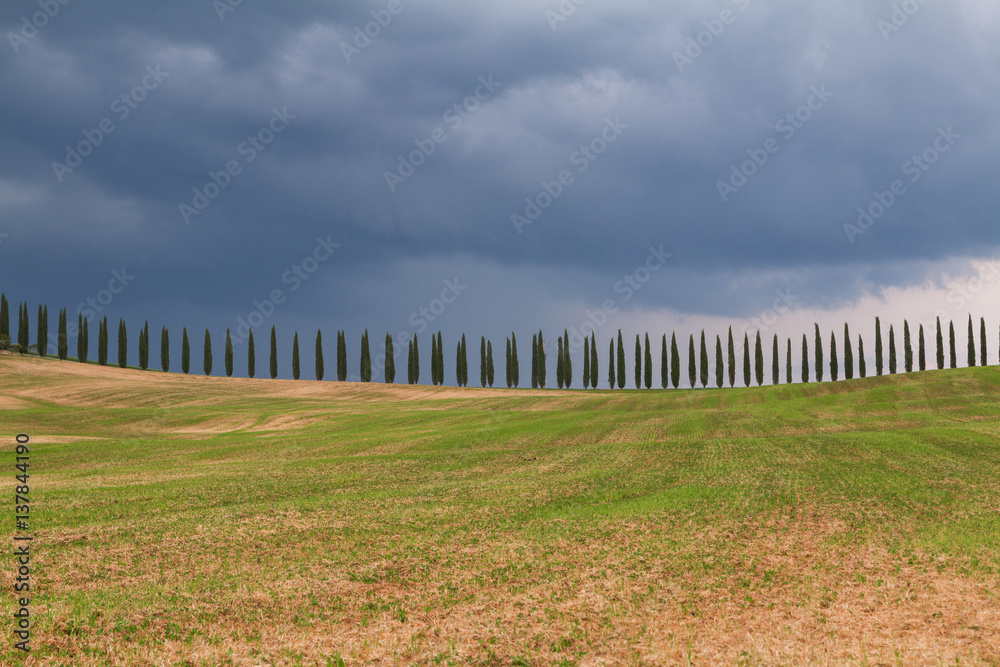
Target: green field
point(208, 521)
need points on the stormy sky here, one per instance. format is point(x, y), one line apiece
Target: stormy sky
point(486, 167)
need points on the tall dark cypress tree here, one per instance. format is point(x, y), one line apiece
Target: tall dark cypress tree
point(185, 352)
point(586, 363)
point(559, 363)
point(165, 350)
point(848, 353)
point(732, 359)
point(638, 363)
point(366, 359)
point(611, 364)
point(746, 360)
point(775, 363)
point(972, 345)
point(692, 363)
point(122, 344)
point(879, 365)
point(788, 363)
point(510, 377)
point(805, 359)
point(664, 364)
point(720, 364)
point(907, 348)
point(416, 359)
point(42, 337)
point(675, 362)
point(703, 359)
point(940, 346)
point(296, 369)
point(482, 361)
point(892, 350)
point(23, 335)
point(593, 360)
point(320, 365)
point(440, 359)
point(434, 360)
point(144, 354)
point(390, 359)
point(228, 359)
point(516, 374)
point(489, 363)
point(862, 366)
point(208, 353)
point(983, 355)
point(819, 355)
point(621, 361)
point(342, 355)
point(541, 360)
point(409, 361)
point(251, 356)
point(62, 343)
point(273, 362)
point(534, 361)
point(5, 316)
point(647, 377)
point(83, 339)
point(951, 344)
point(922, 352)
point(834, 362)
point(758, 359)
point(567, 361)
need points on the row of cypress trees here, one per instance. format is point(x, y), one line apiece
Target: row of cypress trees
point(914, 357)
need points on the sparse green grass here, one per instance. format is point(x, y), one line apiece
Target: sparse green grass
point(851, 522)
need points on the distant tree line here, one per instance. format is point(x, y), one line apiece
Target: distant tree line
point(700, 360)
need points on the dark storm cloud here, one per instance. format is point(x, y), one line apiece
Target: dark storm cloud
point(686, 117)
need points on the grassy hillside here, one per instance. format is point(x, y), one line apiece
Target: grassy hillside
point(191, 520)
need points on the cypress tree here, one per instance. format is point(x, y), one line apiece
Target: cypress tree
point(23, 335)
point(593, 360)
point(788, 363)
point(692, 363)
point(759, 360)
point(440, 359)
point(251, 356)
point(879, 365)
point(848, 353)
point(229, 355)
point(534, 361)
point(42, 334)
point(459, 363)
point(746, 360)
point(390, 360)
point(63, 340)
point(510, 378)
point(482, 361)
point(621, 361)
point(834, 363)
point(922, 356)
point(819, 355)
point(586, 363)
point(775, 363)
point(559, 363)
point(342, 355)
point(664, 364)
point(805, 359)
point(296, 370)
point(434, 360)
point(366, 359)
point(185, 352)
point(122, 344)
point(273, 364)
point(416, 359)
point(320, 365)
point(720, 368)
point(489, 363)
point(951, 344)
point(144, 357)
point(568, 361)
point(940, 346)
point(638, 363)
point(675, 362)
point(208, 353)
point(983, 355)
point(907, 348)
point(892, 351)
point(647, 377)
point(5, 316)
point(703, 359)
point(516, 374)
point(972, 345)
point(732, 360)
point(541, 360)
point(409, 362)
point(611, 364)
point(862, 366)
point(82, 342)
